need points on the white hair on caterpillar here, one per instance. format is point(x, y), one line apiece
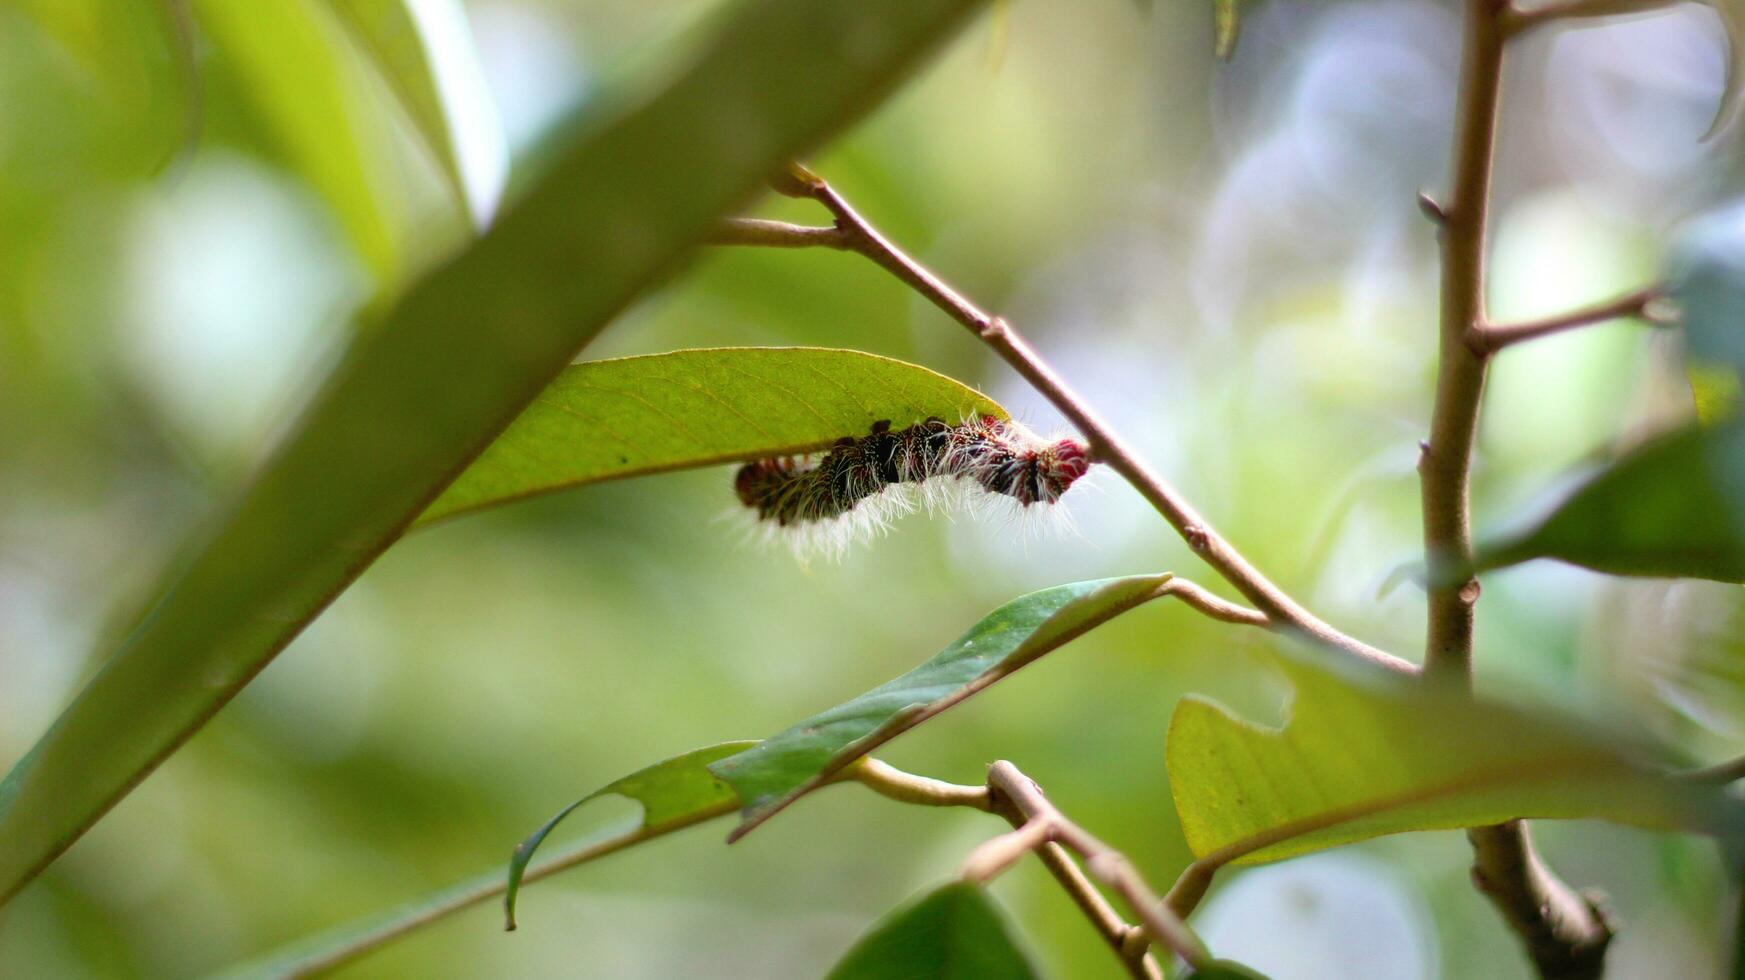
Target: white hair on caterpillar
point(823, 504)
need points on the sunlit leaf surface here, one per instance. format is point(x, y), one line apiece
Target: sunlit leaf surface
point(605, 420)
point(1363, 755)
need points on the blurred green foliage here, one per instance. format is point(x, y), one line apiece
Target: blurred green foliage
point(1227, 260)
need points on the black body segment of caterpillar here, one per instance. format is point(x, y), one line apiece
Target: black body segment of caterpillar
point(998, 456)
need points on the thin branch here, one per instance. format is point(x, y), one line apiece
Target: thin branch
point(1515, 19)
point(1038, 820)
point(1566, 935)
point(775, 234)
point(1487, 339)
point(1213, 606)
point(1281, 611)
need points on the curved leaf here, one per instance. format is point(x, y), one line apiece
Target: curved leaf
point(676, 793)
point(1675, 506)
point(954, 932)
point(790, 765)
point(424, 53)
point(1654, 512)
point(605, 420)
point(305, 88)
point(1362, 756)
point(418, 396)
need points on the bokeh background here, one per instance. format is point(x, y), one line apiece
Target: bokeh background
point(1227, 259)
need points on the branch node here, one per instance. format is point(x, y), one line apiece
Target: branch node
point(994, 328)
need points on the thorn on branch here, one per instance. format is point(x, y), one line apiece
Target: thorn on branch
point(1431, 209)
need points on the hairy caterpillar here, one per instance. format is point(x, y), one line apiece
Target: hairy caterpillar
point(860, 484)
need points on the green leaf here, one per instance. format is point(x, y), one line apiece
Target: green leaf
point(294, 61)
point(955, 931)
point(790, 765)
point(419, 395)
point(1366, 754)
point(605, 420)
point(424, 53)
point(1654, 512)
point(676, 793)
point(1675, 506)
point(1227, 21)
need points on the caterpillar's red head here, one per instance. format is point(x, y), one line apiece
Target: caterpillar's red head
point(1071, 460)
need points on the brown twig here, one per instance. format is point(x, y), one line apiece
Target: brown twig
point(857, 235)
point(905, 787)
point(1042, 828)
point(1213, 606)
point(1565, 934)
point(1487, 339)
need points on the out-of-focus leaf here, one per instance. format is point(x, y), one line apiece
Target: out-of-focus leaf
point(1714, 391)
point(1228, 22)
point(605, 420)
point(1732, 14)
point(954, 932)
point(424, 52)
point(676, 793)
point(309, 90)
point(790, 765)
point(1707, 282)
point(1367, 754)
point(464, 352)
point(130, 63)
point(1224, 970)
point(1654, 512)
point(1674, 507)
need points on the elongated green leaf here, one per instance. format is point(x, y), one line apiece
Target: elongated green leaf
point(675, 793)
point(293, 59)
point(954, 932)
point(606, 420)
point(1707, 281)
point(790, 765)
point(465, 351)
point(1654, 512)
point(424, 52)
point(1362, 756)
